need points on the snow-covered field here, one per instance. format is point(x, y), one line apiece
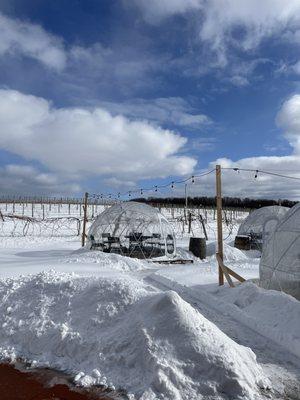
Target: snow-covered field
point(157, 331)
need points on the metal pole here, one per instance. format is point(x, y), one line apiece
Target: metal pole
point(219, 221)
point(186, 199)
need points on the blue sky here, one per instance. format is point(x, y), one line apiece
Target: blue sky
point(113, 95)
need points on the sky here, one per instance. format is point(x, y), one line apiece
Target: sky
point(107, 96)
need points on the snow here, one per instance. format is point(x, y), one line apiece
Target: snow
point(119, 332)
point(157, 331)
point(278, 313)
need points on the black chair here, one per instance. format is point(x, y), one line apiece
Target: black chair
point(94, 244)
point(105, 242)
point(135, 243)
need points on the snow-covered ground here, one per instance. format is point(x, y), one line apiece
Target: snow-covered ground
point(158, 331)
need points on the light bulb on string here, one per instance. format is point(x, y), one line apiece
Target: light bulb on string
point(172, 185)
point(256, 174)
point(141, 192)
point(193, 179)
point(129, 193)
point(155, 188)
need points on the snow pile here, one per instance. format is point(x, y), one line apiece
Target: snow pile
point(106, 260)
point(230, 253)
point(275, 312)
point(119, 332)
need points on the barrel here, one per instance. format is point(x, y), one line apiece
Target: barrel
point(198, 247)
point(242, 242)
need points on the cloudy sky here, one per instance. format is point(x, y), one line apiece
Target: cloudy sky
point(112, 95)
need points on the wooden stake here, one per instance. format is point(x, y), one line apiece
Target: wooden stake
point(225, 270)
point(219, 221)
point(84, 219)
point(235, 275)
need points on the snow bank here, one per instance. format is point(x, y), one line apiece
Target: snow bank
point(276, 312)
point(106, 260)
point(119, 332)
point(230, 253)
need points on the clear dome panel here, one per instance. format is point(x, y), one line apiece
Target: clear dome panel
point(133, 229)
point(280, 261)
point(254, 223)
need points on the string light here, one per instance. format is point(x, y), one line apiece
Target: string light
point(192, 179)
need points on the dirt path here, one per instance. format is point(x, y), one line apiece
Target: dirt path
point(42, 384)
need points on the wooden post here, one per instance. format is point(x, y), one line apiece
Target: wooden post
point(219, 222)
point(84, 218)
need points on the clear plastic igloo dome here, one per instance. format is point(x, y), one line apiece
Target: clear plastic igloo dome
point(261, 223)
point(133, 229)
point(280, 262)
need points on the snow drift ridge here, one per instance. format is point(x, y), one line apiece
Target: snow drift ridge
point(121, 333)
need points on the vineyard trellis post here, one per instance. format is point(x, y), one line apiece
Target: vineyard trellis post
point(84, 219)
point(219, 222)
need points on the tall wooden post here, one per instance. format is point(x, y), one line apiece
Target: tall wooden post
point(219, 221)
point(84, 218)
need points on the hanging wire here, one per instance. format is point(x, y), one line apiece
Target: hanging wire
point(192, 178)
point(264, 172)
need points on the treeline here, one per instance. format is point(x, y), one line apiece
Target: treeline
point(210, 202)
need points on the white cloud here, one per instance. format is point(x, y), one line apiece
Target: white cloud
point(32, 41)
point(289, 120)
point(239, 81)
point(244, 184)
point(241, 24)
point(170, 110)
point(88, 142)
point(155, 10)
point(120, 67)
point(295, 68)
point(119, 184)
point(24, 179)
